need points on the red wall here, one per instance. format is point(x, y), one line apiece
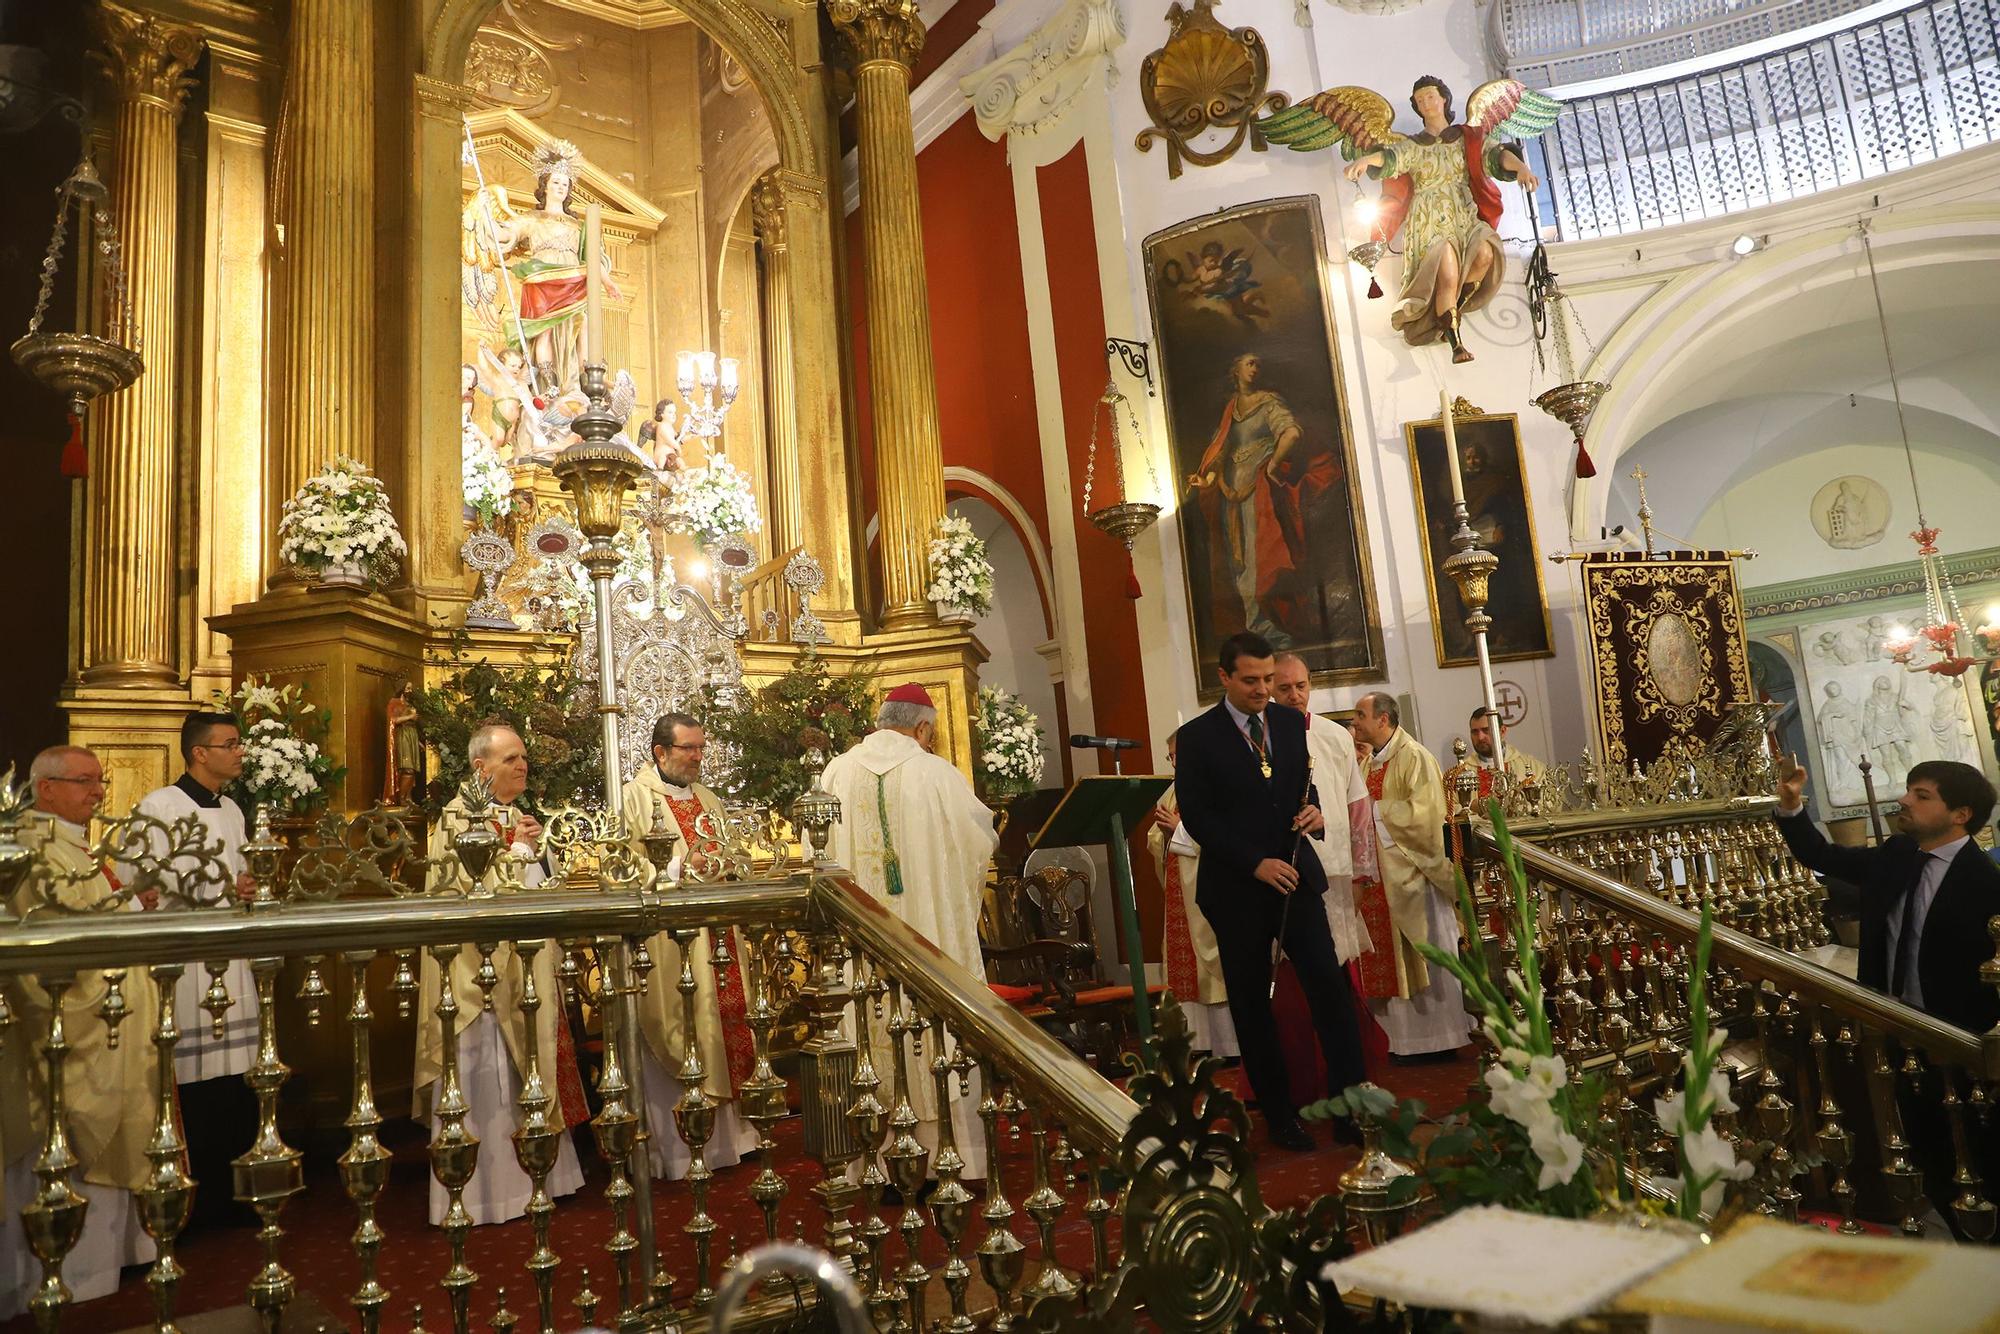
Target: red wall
point(1111, 626)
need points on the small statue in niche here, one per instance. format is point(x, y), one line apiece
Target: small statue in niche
point(405, 753)
point(1439, 186)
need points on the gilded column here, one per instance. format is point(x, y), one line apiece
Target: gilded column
point(129, 540)
point(881, 39)
point(767, 209)
point(324, 372)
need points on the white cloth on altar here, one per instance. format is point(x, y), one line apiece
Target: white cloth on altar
point(1434, 1019)
point(732, 1140)
point(942, 835)
point(1336, 773)
point(200, 1054)
point(499, 1189)
point(112, 1239)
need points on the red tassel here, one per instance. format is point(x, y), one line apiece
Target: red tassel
point(1374, 288)
point(75, 463)
point(1584, 467)
point(1132, 589)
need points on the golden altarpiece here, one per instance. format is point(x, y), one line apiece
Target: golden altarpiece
point(300, 203)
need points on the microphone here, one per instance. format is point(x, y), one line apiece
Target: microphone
point(1081, 742)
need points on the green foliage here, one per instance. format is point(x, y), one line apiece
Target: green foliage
point(771, 729)
point(560, 729)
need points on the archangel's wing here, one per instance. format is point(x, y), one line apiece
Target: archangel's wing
point(479, 256)
point(1359, 120)
point(1510, 109)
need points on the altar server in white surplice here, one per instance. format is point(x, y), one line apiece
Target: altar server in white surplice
point(1425, 1013)
point(1342, 787)
point(670, 790)
point(111, 1094)
point(1192, 962)
point(915, 836)
point(492, 1043)
point(217, 1107)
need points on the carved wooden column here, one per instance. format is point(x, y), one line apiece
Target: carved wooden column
point(325, 310)
point(129, 540)
point(767, 208)
point(880, 40)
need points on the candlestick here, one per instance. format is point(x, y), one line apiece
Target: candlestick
point(593, 284)
point(1451, 447)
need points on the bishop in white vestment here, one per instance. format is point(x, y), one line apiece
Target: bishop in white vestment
point(1426, 1012)
point(915, 836)
point(217, 1107)
point(111, 1094)
point(492, 1042)
point(669, 791)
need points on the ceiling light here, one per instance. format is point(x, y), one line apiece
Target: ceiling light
point(1747, 244)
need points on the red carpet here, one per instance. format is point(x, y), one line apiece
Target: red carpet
point(318, 1225)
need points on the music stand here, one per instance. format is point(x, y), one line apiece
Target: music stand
point(1100, 808)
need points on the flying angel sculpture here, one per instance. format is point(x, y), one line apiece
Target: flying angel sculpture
point(1439, 186)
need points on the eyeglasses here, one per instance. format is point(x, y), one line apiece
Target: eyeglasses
point(87, 779)
point(234, 743)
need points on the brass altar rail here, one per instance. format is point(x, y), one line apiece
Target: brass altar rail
point(1826, 1071)
point(933, 1024)
point(1755, 959)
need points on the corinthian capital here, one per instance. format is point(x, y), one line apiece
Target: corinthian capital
point(878, 30)
point(767, 210)
point(146, 57)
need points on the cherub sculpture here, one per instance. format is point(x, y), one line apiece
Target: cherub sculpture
point(1438, 186)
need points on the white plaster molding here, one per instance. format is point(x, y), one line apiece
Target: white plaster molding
point(1032, 89)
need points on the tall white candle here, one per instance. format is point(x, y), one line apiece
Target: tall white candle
point(1451, 447)
point(593, 284)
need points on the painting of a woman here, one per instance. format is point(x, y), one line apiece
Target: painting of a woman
point(1272, 532)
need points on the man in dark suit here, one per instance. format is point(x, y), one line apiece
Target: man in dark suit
point(1246, 796)
point(1926, 892)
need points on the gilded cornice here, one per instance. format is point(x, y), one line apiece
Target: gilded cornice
point(146, 58)
point(442, 98)
point(877, 31)
point(1029, 90)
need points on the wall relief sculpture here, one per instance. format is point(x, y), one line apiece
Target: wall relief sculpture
point(1207, 77)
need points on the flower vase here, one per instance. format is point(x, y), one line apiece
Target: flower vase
point(344, 574)
point(950, 613)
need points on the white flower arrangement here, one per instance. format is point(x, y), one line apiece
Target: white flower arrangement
point(1008, 742)
point(283, 764)
point(278, 766)
point(1707, 1160)
point(340, 517)
point(961, 576)
point(714, 503)
point(489, 487)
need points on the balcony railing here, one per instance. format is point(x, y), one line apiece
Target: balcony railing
point(1843, 104)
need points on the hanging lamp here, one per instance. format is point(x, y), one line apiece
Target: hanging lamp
point(1941, 632)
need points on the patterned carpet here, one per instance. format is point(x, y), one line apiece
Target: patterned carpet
point(318, 1225)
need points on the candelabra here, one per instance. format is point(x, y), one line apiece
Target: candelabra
point(1471, 568)
point(711, 377)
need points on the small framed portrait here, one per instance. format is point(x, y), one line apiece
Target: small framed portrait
point(1498, 507)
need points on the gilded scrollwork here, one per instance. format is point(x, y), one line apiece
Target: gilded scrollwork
point(1206, 77)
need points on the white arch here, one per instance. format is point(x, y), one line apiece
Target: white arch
point(1707, 318)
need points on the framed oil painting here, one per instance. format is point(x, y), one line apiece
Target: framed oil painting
point(1497, 503)
point(1269, 508)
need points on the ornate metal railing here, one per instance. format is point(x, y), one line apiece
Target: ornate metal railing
point(1829, 1073)
point(813, 942)
point(1886, 92)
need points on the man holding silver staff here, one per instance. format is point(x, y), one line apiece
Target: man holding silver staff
point(1245, 786)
